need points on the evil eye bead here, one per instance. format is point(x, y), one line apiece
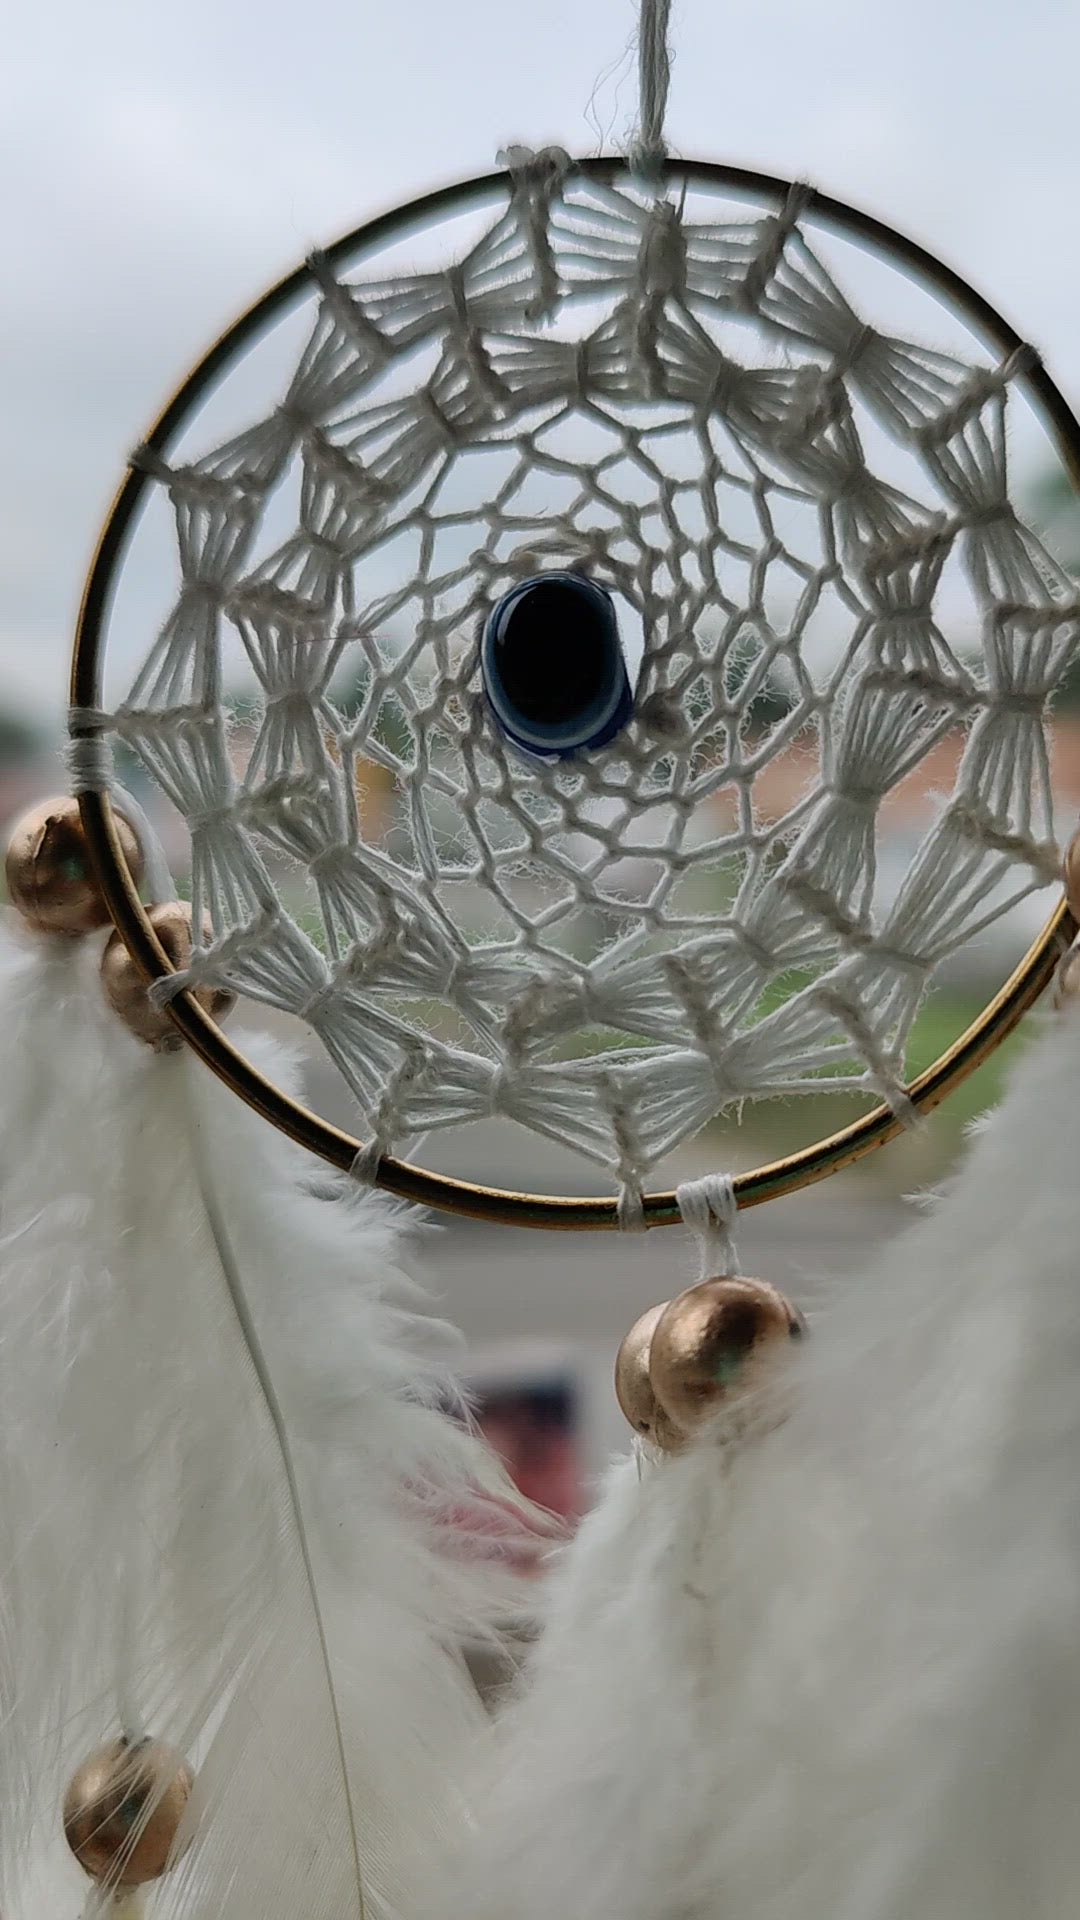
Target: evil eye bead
point(553, 667)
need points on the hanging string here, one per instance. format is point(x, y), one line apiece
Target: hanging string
point(654, 79)
point(708, 1207)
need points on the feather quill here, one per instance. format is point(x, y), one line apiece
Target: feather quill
point(229, 1475)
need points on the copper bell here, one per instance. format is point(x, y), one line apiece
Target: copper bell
point(715, 1344)
point(123, 1809)
point(125, 988)
point(50, 879)
point(633, 1388)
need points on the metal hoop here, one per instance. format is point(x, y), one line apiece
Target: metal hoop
point(768, 1182)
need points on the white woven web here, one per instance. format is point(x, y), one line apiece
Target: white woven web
point(613, 950)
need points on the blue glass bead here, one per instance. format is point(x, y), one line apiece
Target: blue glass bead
point(553, 667)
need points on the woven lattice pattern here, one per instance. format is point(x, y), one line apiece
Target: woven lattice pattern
point(612, 950)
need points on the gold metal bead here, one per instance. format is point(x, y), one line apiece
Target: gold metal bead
point(125, 988)
point(633, 1388)
point(123, 1808)
point(50, 879)
point(715, 1343)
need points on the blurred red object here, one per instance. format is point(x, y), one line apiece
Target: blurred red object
point(534, 1430)
point(533, 1425)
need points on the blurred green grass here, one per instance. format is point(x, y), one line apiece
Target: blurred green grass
point(781, 1126)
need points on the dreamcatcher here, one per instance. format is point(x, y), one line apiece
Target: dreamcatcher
point(589, 500)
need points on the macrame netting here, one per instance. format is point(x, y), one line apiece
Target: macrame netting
point(613, 950)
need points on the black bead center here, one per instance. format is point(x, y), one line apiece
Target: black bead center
point(552, 651)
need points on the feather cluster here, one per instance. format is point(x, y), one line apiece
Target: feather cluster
point(825, 1668)
point(836, 1671)
point(234, 1481)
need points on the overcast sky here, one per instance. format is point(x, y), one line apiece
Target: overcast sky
point(160, 163)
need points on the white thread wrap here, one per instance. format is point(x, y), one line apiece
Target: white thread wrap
point(708, 1207)
point(89, 760)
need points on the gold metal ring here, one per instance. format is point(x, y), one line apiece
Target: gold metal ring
point(810, 1164)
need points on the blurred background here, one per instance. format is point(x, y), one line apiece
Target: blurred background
point(160, 166)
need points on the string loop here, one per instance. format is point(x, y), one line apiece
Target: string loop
point(708, 1207)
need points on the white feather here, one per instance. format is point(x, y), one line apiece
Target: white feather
point(840, 1676)
point(589, 1805)
point(229, 1480)
point(910, 1720)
